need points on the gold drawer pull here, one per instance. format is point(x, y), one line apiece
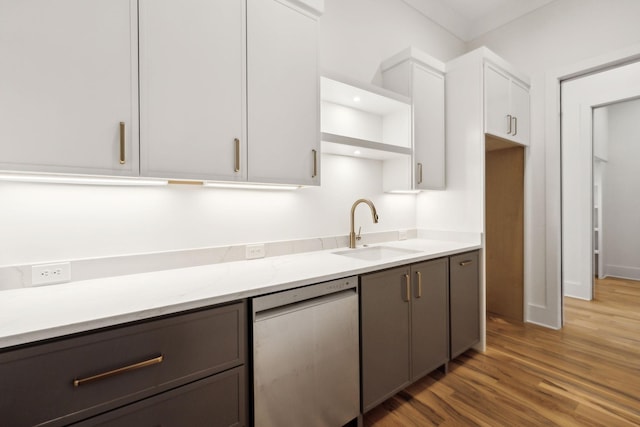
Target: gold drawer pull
point(135, 366)
point(419, 274)
point(466, 262)
point(315, 163)
point(236, 165)
point(407, 287)
point(122, 143)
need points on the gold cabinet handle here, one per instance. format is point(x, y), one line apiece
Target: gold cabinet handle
point(419, 173)
point(315, 163)
point(122, 143)
point(466, 262)
point(515, 121)
point(509, 119)
point(419, 274)
point(407, 287)
point(135, 366)
point(236, 167)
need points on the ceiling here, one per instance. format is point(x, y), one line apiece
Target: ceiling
point(469, 19)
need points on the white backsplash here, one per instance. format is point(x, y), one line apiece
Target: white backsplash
point(86, 269)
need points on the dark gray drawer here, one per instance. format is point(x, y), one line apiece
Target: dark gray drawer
point(37, 383)
point(216, 401)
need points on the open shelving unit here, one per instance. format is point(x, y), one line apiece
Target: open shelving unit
point(367, 121)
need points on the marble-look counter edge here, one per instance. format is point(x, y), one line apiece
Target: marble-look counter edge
point(35, 314)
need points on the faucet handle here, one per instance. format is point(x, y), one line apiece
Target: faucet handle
point(359, 237)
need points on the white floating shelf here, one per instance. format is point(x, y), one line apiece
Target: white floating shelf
point(347, 146)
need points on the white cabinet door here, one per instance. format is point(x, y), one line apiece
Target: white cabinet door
point(283, 94)
point(428, 128)
point(192, 89)
point(498, 119)
point(506, 112)
point(520, 110)
point(68, 79)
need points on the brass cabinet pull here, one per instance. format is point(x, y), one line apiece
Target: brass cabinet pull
point(515, 121)
point(236, 167)
point(315, 163)
point(419, 274)
point(135, 366)
point(466, 262)
point(407, 287)
point(509, 118)
point(419, 173)
point(122, 143)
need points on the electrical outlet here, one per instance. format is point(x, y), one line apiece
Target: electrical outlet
point(254, 251)
point(402, 234)
point(48, 274)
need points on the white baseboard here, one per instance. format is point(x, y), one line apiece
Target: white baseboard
point(623, 272)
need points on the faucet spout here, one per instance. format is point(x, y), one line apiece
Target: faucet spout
point(374, 216)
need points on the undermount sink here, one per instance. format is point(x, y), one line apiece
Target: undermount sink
point(375, 253)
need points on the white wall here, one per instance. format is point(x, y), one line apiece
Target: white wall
point(41, 223)
point(559, 34)
point(49, 222)
point(621, 192)
point(356, 35)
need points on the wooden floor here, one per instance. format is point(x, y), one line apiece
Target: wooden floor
point(587, 374)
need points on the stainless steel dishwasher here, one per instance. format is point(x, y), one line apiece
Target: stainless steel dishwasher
point(306, 356)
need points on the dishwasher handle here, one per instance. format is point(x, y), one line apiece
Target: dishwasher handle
point(296, 299)
point(302, 305)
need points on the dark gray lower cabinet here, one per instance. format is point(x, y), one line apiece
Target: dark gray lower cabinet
point(72, 379)
point(464, 294)
point(404, 325)
point(429, 317)
point(216, 401)
point(384, 320)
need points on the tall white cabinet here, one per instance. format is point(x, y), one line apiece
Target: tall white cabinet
point(192, 89)
point(69, 86)
point(419, 76)
point(283, 92)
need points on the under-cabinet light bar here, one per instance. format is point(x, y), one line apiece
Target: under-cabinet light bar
point(84, 180)
point(404, 191)
point(244, 186)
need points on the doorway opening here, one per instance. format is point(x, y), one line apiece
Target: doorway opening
point(599, 202)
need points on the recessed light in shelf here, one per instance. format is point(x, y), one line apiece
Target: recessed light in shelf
point(357, 153)
point(356, 99)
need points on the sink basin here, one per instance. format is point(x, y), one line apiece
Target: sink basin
point(375, 253)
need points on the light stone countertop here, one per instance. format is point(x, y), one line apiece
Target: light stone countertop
point(38, 313)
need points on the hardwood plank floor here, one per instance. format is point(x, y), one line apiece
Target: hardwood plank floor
point(587, 374)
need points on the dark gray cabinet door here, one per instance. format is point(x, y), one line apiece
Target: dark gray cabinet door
point(216, 401)
point(385, 334)
point(429, 316)
point(464, 294)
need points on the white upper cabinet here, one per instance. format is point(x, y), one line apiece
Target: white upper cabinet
point(506, 105)
point(421, 77)
point(192, 87)
point(283, 92)
point(69, 86)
